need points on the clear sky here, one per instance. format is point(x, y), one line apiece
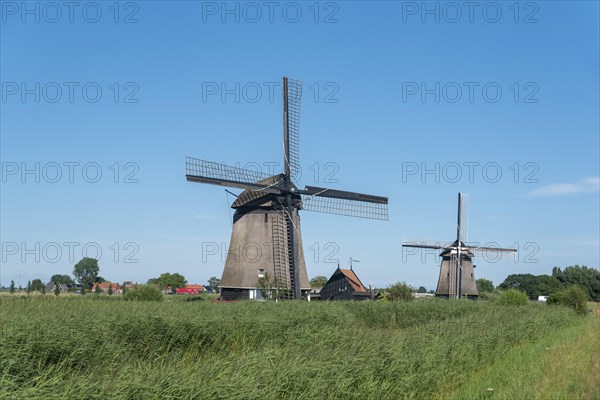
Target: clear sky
point(410, 100)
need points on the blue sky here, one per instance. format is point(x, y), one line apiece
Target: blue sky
point(391, 89)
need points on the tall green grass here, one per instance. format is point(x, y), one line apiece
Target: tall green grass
point(82, 347)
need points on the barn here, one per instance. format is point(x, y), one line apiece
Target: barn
point(344, 285)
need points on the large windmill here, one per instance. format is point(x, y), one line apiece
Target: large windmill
point(457, 278)
point(265, 237)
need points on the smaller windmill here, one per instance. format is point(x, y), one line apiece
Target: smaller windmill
point(457, 278)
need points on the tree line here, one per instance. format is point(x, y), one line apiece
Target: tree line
point(545, 285)
point(86, 273)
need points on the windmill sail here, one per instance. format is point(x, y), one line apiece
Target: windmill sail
point(225, 175)
point(292, 96)
point(463, 223)
point(350, 208)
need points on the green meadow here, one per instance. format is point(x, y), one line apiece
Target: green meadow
point(101, 347)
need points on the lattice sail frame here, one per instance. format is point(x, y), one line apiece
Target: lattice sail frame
point(350, 208)
point(294, 95)
point(213, 170)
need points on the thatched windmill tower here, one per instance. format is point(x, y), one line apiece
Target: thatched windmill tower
point(457, 276)
point(266, 238)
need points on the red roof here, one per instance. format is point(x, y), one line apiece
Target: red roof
point(353, 279)
point(187, 290)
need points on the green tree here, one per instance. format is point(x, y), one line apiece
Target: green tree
point(167, 279)
point(574, 296)
point(28, 289)
point(86, 271)
point(484, 285)
point(64, 279)
point(318, 281)
point(56, 289)
point(400, 291)
point(214, 283)
point(82, 290)
point(513, 297)
point(110, 291)
point(37, 285)
point(12, 286)
point(43, 290)
point(532, 285)
point(97, 290)
point(557, 273)
point(422, 289)
point(587, 278)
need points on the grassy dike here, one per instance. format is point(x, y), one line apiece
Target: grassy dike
point(563, 365)
point(101, 347)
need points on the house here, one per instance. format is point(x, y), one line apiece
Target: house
point(190, 289)
point(344, 285)
point(116, 288)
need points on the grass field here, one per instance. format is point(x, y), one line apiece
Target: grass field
point(101, 347)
